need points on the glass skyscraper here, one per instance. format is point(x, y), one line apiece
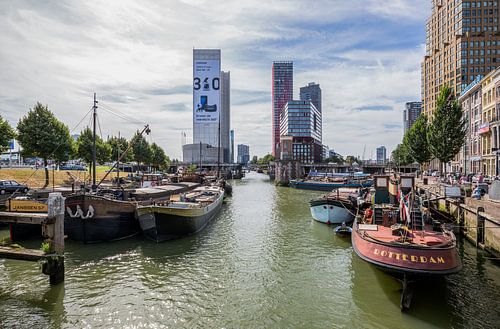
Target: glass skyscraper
point(282, 74)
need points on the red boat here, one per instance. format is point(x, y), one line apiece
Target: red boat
point(397, 236)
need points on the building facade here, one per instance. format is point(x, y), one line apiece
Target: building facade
point(282, 92)
point(231, 159)
point(312, 93)
point(411, 112)
point(225, 124)
point(243, 154)
point(301, 121)
point(462, 42)
point(381, 155)
point(211, 109)
point(469, 160)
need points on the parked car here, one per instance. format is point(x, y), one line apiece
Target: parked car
point(11, 186)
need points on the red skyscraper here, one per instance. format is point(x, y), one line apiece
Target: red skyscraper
point(282, 93)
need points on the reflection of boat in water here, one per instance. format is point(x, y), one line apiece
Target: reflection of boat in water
point(338, 206)
point(175, 219)
point(399, 240)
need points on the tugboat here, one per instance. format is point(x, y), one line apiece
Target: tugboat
point(185, 216)
point(398, 236)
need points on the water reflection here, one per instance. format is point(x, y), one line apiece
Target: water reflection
point(264, 262)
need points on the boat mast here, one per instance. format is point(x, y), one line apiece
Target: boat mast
point(94, 186)
point(218, 151)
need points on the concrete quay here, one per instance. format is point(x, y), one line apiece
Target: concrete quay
point(477, 220)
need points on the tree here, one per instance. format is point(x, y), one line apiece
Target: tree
point(141, 149)
point(400, 156)
point(266, 159)
point(158, 158)
point(447, 130)
point(338, 159)
point(118, 146)
point(42, 135)
point(417, 143)
point(6, 134)
point(254, 159)
point(84, 145)
point(350, 159)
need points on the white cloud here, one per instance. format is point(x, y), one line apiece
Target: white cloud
point(137, 56)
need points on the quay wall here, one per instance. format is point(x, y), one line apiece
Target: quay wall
point(477, 225)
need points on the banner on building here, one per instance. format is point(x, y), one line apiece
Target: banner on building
point(206, 91)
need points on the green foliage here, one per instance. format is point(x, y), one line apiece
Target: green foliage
point(118, 146)
point(141, 149)
point(338, 159)
point(85, 147)
point(266, 159)
point(42, 135)
point(447, 130)
point(158, 158)
point(254, 159)
point(45, 247)
point(350, 159)
point(400, 156)
point(416, 142)
point(191, 169)
point(6, 134)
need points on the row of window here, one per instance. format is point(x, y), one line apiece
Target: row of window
point(478, 29)
point(479, 52)
point(476, 44)
point(479, 60)
point(474, 21)
point(477, 4)
point(469, 13)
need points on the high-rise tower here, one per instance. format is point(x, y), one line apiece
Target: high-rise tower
point(311, 92)
point(462, 43)
point(282, 72)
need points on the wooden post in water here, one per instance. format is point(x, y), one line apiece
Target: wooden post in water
point(55, 230)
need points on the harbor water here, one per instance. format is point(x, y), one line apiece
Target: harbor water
point(263, 263)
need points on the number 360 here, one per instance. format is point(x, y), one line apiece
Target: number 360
point(197, 83)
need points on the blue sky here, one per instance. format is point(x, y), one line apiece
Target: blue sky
point(137, 57)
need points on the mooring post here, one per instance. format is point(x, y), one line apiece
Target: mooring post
point(56, 259)
point(480, 227)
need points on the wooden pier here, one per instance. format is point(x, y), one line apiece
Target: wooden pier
point(52, 229)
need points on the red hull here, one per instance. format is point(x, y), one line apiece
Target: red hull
point(406, 259)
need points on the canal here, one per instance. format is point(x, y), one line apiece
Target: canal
point(263, 263)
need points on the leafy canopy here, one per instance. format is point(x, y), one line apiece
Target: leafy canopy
point(6, 134)
point(447, 130)
point(42, 135)
point(85, 147)
point(118, 146)
point(416, 143)
point(141, 149)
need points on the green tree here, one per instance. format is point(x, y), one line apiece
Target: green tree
point(400, 156)
point(350, 159)
point(158, 158)
point(338, 159)
point(118, 146)
point(42, 135)
point(266, 159)
point(84, 146)
point(141, 149)
point(447, 131)
point(6, 134)
point(254, 159)
point(417, 143)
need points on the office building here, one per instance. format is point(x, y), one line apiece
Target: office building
point(211, 109)
point(312, 93)
point(381, 155)
point(301, 125)
point(231, 159)
point(411, 112)
point(225, 124)
point(243, 154)
point(282, 92)
point(462, 42)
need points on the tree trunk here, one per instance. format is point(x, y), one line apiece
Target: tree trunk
point(45, 164)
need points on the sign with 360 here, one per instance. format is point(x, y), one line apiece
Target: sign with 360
point(206, 91)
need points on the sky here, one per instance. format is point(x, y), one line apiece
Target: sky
point(137, 57)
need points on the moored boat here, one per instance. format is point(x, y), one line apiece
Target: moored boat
point(320, 185)
point(186, 216)
point(336, 207)
point(401, 239)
